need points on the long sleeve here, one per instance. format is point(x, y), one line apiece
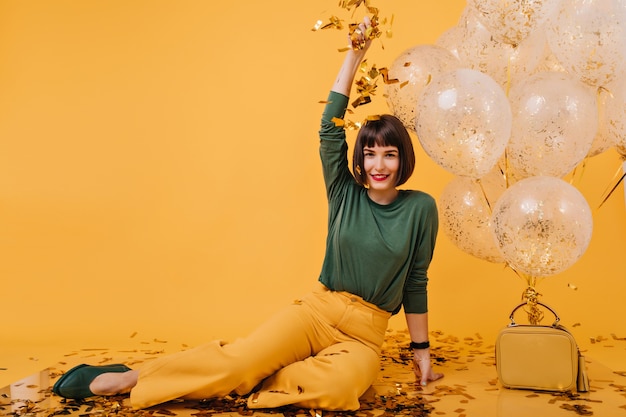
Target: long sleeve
point(333, 146)
point(415, 298)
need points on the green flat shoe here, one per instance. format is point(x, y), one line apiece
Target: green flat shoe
point(74, 383)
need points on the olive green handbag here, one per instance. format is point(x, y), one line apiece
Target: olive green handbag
point(538, 357)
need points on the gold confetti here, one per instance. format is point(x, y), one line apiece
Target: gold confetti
point(366, 85)
point(384, 72)
point(165, 412)
point(389, 32)
point(337, 121)
point(347, 4)
point(572, 287)
point(333, 23)
point(358, 40)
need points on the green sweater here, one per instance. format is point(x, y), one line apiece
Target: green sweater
point(378, 252)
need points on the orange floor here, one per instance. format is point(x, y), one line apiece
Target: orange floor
point(470, 386)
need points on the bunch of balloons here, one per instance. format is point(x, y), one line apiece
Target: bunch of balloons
point(510, 101)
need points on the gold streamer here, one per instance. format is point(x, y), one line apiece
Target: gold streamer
point(530, 294)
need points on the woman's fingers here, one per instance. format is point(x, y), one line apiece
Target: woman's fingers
point(424, 372)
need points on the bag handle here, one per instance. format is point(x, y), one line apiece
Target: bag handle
point(556, 316)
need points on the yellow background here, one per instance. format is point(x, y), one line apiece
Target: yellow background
point(159, 174)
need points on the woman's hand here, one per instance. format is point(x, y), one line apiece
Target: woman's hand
point(359, 40)
point(423, 368)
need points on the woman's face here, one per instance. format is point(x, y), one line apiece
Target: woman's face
point(381, 165)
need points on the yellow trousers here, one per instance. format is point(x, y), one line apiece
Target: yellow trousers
point(321, 352)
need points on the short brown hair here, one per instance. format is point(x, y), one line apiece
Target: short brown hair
point(387, 130)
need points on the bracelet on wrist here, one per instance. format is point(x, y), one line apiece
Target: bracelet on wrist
point(421, 345)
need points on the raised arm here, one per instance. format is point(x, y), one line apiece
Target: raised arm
point(333, 147)
point(351, 62)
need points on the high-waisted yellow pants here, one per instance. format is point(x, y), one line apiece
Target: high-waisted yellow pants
point(321, 352)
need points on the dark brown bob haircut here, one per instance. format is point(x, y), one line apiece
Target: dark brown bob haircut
point(387, 130)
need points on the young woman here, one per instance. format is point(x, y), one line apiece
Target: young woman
point(323, 351)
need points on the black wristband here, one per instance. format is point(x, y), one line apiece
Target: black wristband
point(422, 345)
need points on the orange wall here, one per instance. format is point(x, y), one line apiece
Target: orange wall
point(159, 174)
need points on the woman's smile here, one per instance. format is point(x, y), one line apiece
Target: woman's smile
point(379, 177)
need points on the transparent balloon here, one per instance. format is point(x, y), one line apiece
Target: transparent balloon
point(609, 121)
point(451, 39)
point(555, 119)
point(464, 122)
point(465, 211)
point(512, 21)
point(414, 68)
point(542, 225)
point(589, 38)
point(613, 118)
point(478, 49)
point(548, 62)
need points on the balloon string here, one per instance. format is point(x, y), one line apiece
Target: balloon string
point(621, 178)
point(505, 170)
point(508, 77)
point(480, 183)
point(579, 170)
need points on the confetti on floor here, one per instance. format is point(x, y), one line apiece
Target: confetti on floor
point(470, 387)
